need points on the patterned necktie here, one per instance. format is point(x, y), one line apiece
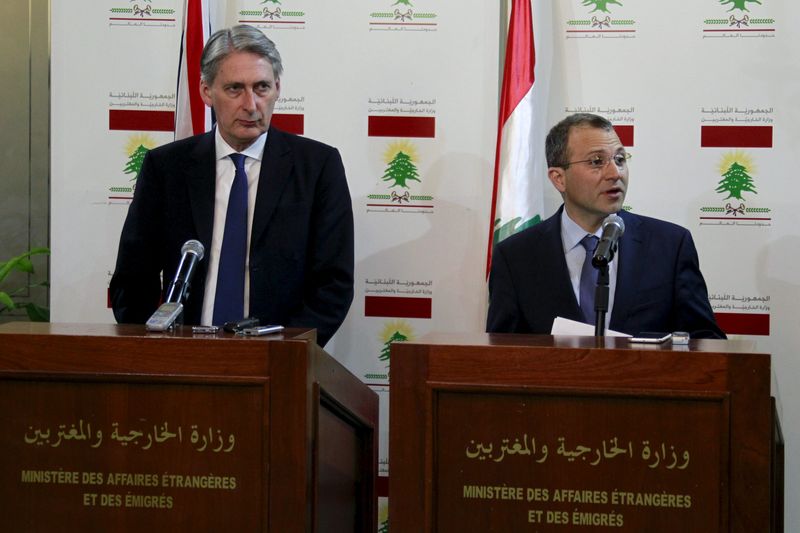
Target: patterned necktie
point(229, 300)
point(588, 280)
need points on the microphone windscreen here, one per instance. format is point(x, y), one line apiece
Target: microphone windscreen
point(194, 246)
point(615, 219)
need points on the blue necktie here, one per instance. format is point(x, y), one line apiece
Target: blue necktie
point(229, 300)
point(588, 280)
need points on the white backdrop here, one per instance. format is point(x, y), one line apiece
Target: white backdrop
point(375, 81)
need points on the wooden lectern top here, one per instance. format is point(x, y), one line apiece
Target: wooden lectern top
point(127, 348)
point(136, 330)
point(582, 342)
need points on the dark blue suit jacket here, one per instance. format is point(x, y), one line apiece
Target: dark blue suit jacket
point(659, 284)
point(301, 246)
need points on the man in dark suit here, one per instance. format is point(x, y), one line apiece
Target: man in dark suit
point(655, 280)
point(297, 254)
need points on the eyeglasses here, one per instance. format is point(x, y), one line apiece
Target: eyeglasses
point(599, 162)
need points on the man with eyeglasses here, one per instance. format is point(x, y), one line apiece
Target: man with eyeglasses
point(655, 282)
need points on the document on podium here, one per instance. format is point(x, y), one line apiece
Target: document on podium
point(565, 326)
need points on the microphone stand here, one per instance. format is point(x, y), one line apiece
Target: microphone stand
point(179, 288)
point(179, 320)
point(601, 301)
point(177, 295)
point(183, 295)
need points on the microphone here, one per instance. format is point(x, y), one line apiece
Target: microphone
point(613, 228)
point(193, 252)
point(167, 313)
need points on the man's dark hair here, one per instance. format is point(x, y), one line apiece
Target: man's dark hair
point(555, 146)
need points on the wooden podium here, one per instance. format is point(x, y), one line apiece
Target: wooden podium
point(109, 428)
point(498, 433)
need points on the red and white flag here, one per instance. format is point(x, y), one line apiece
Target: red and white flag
point(519, 168)
point(191, 114)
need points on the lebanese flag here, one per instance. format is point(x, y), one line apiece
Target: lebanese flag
point(192, 116)
point(519, 168)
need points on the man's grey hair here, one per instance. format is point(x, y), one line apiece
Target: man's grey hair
point(242, 38)
point(555, 146)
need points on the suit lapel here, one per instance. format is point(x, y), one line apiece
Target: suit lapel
point(631, 249)
point(200, 172)
point(276, 170)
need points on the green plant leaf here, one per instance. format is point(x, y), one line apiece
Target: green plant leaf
point(6, 300)
point(37, 313)
point(25, 265)
point(5, 269)
point(21, 262)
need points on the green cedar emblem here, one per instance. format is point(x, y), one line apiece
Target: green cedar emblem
point(387, 346)
point(600, 5)
point(735, 181)
point(135, 161)
point(738, 4)
point(512, 226)
point(401, 169)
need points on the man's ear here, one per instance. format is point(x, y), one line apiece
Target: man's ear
point(557, 177)
point(205, 93)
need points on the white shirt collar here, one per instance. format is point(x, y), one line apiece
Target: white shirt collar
point(255, 150)
point(572, 233)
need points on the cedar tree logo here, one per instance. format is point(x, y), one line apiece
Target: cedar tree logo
point(735, 169)
point(137, 147)
point(741, 19)
point(400, 157)
point(394, 331)
point(600, 5)
point(510, 227)
point(599, 19)
point(741, 5)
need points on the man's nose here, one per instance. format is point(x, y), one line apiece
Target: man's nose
point(612, 171)
point(249, 100)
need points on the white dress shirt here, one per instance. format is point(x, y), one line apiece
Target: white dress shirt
point(226, 171)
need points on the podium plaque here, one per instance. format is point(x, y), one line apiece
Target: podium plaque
point(516, 433)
